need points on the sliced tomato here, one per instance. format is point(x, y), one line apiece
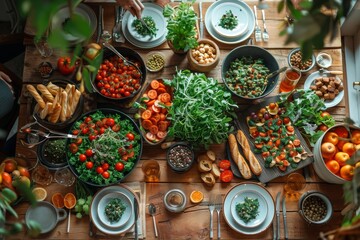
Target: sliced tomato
point(161, 90)
point(150, 136)
point(165, 97)
point(226, 176)
point(163, 125)
point(161, 134)
point(155, 84)
point(146, 124)
point(146, 114)
point(150, 103)
point(224, 164)
point(155, 109)
point(152, 94)
point(154, 129)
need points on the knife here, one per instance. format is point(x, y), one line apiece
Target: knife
point(136, 218)
point(278, 215)
point(201, 21)
point(284, 216)
point(100, 23)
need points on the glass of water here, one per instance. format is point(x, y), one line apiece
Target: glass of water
point(43, 46)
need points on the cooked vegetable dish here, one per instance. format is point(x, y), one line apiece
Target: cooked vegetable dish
point(144, 31)
point(114, 210)
point(248, 210)
point(228, 20)
point(247, 77)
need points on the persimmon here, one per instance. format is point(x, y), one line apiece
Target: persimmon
point(341, 158)
point(355, 136)
point(347, 172)
point(333, 166)
point(331, 137)
point(328, 150)
point(341, 131)
point(349, 148)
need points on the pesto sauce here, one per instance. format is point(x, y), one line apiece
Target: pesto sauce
point(54, 151)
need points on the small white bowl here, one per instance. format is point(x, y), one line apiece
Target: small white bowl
point(156, 58)
point(126, 215)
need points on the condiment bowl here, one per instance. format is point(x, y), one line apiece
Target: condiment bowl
point(204, 57)
point(180, 157)
point(175, 200)
point(155, 61)
point(315, 207)
point(51, 153)
point(295, 60)
point(45, 69)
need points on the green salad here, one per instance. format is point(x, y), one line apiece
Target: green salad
point(144, 31)
point(228, 20)
point(114, 210)
point(248, 210)
point(106, 150)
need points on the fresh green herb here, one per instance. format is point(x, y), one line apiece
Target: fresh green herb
point(114, 210)
point(248, 210)
point(228, 20)
point(54, 151)
point(305, 110)
point(247, 76)
point(200, 110)
point(142, 30)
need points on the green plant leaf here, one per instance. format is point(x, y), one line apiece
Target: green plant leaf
point(34, 228)
point(77, 26)
point(280, 6)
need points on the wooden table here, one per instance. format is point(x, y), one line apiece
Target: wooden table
point(195, 224)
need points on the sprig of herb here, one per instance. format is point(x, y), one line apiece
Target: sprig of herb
point(248, 210)
point(142, 30)
point(228, 20)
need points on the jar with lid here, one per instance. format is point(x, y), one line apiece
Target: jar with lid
point(175, 200)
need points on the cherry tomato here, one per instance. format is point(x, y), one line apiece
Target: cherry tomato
point(89, 152)
point(226, 176)
point(78, 141)
point(224, 164)
point(63, 64)
point(75, 132)
point(324, 114)
point(89, 165)
point(99, 170)
point(322, 127)
point(116, 128)
point(85, 130)
point(92, 137)
point(110, 122)
point(106, 174)
point(105, 166)
point(119, 166)
point(130, 136)
point(73, 148)
point(87, 120)
point(82, 157)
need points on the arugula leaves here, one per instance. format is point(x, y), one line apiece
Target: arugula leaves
point(201, 109)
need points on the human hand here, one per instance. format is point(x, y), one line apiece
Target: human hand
point(4, 77)
point(134, 6)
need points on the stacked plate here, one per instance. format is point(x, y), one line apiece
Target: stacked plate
point(266, 208)
point(242, 12)
point(102, 198)
point(156, 13)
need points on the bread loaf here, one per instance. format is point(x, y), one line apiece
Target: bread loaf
point(36, 95)
point(208, 179)
point(249, 155)
point(238, 158)
point(54, 117)
point(75, 100)
point(64, 103)
point(45, 92)
point(53, 89)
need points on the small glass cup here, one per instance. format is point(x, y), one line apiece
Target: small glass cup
point(151, 169)
point(41, 175)
point(291, 78)
point(43, 47)
point(295, 183)
point(63, 176)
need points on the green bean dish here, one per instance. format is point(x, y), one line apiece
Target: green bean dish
point(248, 210)
point(228, 20)
point(114, 210)
point(142, 30)
point(247, 77)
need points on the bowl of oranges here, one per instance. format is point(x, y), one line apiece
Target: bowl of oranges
point(332, 152)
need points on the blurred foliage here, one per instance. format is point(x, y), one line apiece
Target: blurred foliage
point(311, 22)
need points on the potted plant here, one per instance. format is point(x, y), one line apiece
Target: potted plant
point(181, 25)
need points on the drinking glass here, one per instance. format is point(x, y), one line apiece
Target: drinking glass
point(291, 78)
point(295, 183)
point(41, 175)
point(63, 176)
point(43, 46)
point(151, 169)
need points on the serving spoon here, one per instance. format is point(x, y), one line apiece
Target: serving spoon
point(270, 75)
point(152, 211)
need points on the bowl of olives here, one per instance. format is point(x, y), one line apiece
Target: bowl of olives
point(315, 207)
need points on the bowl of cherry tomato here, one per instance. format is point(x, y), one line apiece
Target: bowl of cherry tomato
point(116, 80)
point(107, 149)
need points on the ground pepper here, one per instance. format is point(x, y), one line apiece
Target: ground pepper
point(180, 156)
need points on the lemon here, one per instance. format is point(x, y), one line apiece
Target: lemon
point(40, 193)
point(196, 196)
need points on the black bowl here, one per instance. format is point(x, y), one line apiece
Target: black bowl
point(53, 160)
point(180, 148)
point(90, 176)
point(133, 56)
point(61, 125)
point(256, 53)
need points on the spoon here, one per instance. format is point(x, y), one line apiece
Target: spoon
point(270, 75)
point(152, 211)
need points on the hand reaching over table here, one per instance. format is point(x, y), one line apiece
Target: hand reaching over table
point(134, 6)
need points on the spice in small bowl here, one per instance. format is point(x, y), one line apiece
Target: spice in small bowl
point(155, 61)
point(315, 207)
point(295, 60)
point(175, 200)
point(180, 157)
point(45, 69)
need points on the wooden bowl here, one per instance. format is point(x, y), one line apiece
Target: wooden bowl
point(194, 55)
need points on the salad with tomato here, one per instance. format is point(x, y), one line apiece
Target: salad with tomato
point(106, 149)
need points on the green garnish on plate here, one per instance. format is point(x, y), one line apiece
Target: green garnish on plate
point(114, 210)
point(248, 210)
point(228, 20)
point(142, 30)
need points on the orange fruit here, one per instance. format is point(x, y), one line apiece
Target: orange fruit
point(349, 148)
point(57, 200)
point(331, 137)
point(347, 172)
point(355, 136)
point(40, 193)
point(196, 196)
point(333, 166)
point(341, 158)
point(69, 200)
point(341, 132)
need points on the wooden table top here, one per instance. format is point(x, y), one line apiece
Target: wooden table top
point(194, 224)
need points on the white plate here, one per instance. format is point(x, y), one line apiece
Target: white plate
point(94, 210)
point(328, 103)
point(240, 198)
point(248, 187)
point(247, 32)
point(157, 16)
point(238, 11)
point(134, 41)
point(64, 13)
point(125, 216)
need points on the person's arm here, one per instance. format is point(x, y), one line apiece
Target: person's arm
point(134, 6)
point(4, 77)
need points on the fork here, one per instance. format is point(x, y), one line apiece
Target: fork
point(265, 34)
point(257, 28)
point(117, 30)
point(218, 207)
point(211, 209)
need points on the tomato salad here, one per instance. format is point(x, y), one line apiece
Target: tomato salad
point(275, 138)
point(154, 106)
point(117, 80)
point(107, 148)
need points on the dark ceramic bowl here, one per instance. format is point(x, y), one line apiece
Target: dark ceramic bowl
point(53, 160)
point(180, 157)
point(256, 53)
point(132, 56)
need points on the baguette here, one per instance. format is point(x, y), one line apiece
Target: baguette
point(238, 158)
point(36, 95)
point(52, 88)
point(45, 111)
point(64, 103)
point(249, 155)
point(75, 101)
point(54, 117)
point(45, 92)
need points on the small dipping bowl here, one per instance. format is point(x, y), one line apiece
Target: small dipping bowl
point(45, 69)
point(155, 61)
point(175, 200)
point(323, 60)
point(322, 208)
point(180, 157)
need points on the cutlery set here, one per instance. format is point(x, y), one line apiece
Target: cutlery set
point(276, 227)
point(215, 203)
point(260, 35)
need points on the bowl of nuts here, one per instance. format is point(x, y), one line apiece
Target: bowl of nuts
point(155, 61)
point(204, 57)
point(295, 60)
point(315, 207)
point(180, 157)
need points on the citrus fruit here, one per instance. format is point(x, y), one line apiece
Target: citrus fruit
point(57, 200)
point(40, 193)
point(69, 200)
point(196, 196)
